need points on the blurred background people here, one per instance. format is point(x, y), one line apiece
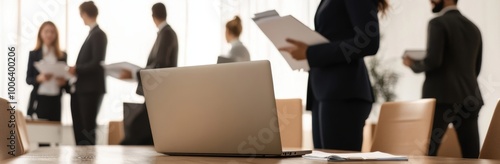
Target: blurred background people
point(339, 92)
point(45, 98)
point(238, 51)
point(164, 54)
point(90, 86)
point(451, 66)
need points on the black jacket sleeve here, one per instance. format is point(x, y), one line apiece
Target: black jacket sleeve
point(435, 48)
point(366, 41)
point(98, 43)
point(32, 73)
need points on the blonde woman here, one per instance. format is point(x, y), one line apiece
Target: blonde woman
point(45, 99)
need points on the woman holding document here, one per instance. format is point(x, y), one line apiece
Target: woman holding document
point(45, 99)
point(339, 92)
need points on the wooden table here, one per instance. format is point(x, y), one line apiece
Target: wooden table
point(146, 154)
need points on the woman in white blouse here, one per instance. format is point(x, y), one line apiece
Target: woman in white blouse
point(238, 52)
point(45, 99)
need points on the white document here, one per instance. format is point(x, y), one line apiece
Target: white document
point(278, 29)
point(115, 69)
point(416, 54)
point(372, 156)
point(58, 69)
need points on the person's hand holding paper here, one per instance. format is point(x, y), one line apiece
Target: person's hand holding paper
point(58, 69)
point(290, 36)
point(72, 71)
point(122, 70)
point(61, 81)
point(410, 56)
point(298, 51)
point(126, 74)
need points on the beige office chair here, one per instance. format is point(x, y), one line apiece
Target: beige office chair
point(404, 128)
point(15, 128)
point(491, 148)
point(290, 122)
point(115, 132)
point(449, 145)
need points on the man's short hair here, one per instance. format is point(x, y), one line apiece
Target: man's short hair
point(159, 11)
point(89, 8)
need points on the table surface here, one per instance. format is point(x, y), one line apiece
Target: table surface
point(147, 154)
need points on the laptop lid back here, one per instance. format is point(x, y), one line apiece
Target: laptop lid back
point(226, 109)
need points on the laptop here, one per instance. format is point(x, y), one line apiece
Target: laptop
point(214, 110)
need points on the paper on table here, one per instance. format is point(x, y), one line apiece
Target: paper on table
point(58, 69)
point(372, 156)
point(416, 54)
point(278, 29)
point(115, 69)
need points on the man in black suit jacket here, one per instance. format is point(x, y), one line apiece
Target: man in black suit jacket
point(163, 55)
point(90, 86)
point(453, 62)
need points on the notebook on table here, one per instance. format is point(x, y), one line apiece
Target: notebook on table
point(339, 157)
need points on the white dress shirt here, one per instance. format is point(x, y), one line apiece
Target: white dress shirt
point(50, 87)
point(446, 9)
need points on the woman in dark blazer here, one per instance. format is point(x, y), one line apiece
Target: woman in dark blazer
point(45, 99)
point(339, 92)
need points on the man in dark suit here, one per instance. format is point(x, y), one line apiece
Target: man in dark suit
point(89, 88)
point(163, 55)
point(453, 62)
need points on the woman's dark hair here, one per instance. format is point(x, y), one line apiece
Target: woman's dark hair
point(234, 26)
point(159, 11)
point(383, 6)
point(89, 8)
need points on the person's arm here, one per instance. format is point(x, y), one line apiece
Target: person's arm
point(165, 56)
point(31, 73)
point(98, 43)
point(479, 59)
point(66, 86)
point(435, 49)
point(364, 18)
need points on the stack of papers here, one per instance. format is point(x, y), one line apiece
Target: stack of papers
point(278, 29)
point(59, 69)
point(115, 69)
point(416, 54)
point(372, 156)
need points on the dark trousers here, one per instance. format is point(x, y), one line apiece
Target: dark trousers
point(48, 107)
point(84, 109)
point(464, 120)
point(339, 124)
point(137, 128)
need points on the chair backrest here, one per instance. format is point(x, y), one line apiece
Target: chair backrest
point(491, 148)
point(22, 129)
point(290, 122)
point(449, 145)
point(404, 128)
point(115, 132)
point(14, 138)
